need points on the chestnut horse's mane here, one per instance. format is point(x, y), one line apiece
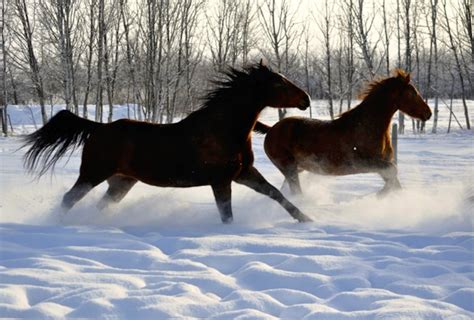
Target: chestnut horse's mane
point(376, 86)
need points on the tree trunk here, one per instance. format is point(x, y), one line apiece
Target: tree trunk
point(100, 58)
point(35, 75)
point(434, 53)
point(458, 65)
point(130, 59)
point(4, 103)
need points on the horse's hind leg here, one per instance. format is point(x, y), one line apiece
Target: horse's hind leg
point(119, 186)
point(223, 195)
point(292, 177)
point(89, 177)
point(76, 193)
point(289, 169)
point(254, 180)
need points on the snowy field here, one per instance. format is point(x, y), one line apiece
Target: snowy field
point(163, 253)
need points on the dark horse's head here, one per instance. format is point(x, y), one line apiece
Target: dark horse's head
point(264, 86)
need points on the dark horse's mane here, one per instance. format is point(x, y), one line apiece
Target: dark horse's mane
point(232, 84)
point(374, 89)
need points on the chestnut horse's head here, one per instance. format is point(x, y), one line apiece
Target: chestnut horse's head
point(409, 100)
point(277, 91)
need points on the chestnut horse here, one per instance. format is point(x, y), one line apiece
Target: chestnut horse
point(212, 146)
point(356, 142)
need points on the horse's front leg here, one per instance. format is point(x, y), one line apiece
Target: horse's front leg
point(251, 178)
point(223, 195)
point(389, 173)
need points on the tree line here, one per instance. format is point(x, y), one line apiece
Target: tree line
point(158, 55)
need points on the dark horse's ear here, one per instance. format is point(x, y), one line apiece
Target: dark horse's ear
point(261, 64)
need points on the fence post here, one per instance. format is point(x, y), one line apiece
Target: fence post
point(3, 119)
point(395, 142)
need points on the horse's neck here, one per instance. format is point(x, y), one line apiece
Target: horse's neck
point(243, 117)
point(377, 113)
point(236, 119)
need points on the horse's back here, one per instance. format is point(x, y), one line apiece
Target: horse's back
point(295, 132)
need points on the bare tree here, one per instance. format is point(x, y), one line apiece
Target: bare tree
point(89, 41)
point(401, 116)
point(326, 28)
point(386, 34)
point(454, 47)
point(466, 39)
point(247, 29)
point(223, 33)
point(171, 18)
point(99, 104)
point(363, 24)
point(191, 54)
point(348, 17)
point(403, 10)
point(306, 62)
point(432, 87)
point(418, 125)
point(59, 18)
point(4, 97)
point(407, 33)
point(278, 25)
point(112, 40)
point(152, 43)
point(156, 54)
point(130, 53)
point(26, 42)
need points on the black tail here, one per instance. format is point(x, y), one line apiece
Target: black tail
point(261, 128)
point(61, 133)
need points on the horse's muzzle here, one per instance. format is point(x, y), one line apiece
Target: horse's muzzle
point(305, 103)
point(427, 115)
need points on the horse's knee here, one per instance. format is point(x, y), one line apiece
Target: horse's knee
point(388, 172)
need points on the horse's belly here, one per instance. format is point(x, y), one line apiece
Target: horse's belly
point(181, 176)
point(175, 182)
point(327, 165)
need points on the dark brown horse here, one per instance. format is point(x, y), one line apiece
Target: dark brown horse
point(212, 146)
point(356, 142)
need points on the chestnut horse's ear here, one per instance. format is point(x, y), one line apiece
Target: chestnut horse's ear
point(401, 74)
point(407, 77)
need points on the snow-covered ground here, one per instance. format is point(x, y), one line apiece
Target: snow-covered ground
point(163, 253)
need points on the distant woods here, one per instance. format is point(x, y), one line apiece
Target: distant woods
point(158, 55)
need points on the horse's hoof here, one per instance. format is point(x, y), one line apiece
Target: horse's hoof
point(386, 191)
point(382, 193)
point(227, 220)
point(304, 218)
